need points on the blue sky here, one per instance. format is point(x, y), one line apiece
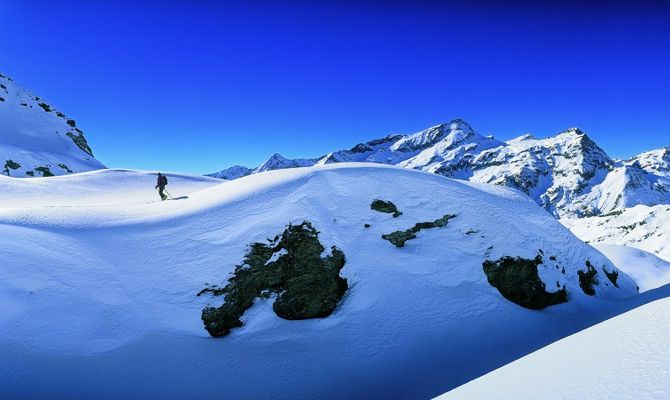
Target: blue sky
point(198, 86)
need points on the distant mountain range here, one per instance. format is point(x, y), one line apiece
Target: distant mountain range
point(38, 140)
point(568, 174)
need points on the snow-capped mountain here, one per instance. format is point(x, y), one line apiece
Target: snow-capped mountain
point(38, 140)
point(567, 174)
point(336, 281)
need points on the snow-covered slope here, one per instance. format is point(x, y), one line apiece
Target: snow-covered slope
point(625, 357)
point(567, 174)
point(646, 228)
point(36, 139)
point(103, 286)
point(647, 270)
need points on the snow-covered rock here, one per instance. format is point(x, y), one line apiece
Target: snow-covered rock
point(104, 286)
point(38, 140)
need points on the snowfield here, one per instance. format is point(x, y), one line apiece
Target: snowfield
point(98, 284)
point(643, 227)
point(649, 271)
point(625, 357)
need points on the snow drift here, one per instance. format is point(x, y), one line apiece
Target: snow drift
point(103, 283)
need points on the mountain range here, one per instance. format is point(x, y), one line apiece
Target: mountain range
point(567, 174)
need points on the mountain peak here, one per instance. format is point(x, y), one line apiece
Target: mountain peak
point(36, 139)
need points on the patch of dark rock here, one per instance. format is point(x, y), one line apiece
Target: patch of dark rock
point(10, 164)
point(45, 171)
point(80, 141)
point(385, 207)
point(65, 167)
point(398, 238)
point(306, 285)
point(587, 279)
point(612, 276)
point(518, 281)
point(44, 106)
point(71, 122)
point(366, 225)
point(30, 173)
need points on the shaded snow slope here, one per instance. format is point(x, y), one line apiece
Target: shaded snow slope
point(625, 357)
point(647, 270)
point(36, 139)
point(105, 286)
point(646, 228)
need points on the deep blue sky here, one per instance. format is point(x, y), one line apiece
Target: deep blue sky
point(197, 87)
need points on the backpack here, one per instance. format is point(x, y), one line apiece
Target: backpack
point(165, 182)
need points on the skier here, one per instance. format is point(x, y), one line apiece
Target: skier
point(160, 185)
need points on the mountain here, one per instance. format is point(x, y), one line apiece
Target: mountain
point(38, 140)
point(335, 281)
point(567, 174)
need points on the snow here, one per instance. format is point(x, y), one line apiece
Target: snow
point(643, 227)
point(99, 283)
point(34, 134)
point(625, 357)
point(649, 271)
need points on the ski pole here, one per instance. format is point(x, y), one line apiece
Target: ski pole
point(168, 193)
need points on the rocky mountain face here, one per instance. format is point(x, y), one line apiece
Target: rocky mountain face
point(38, 140)
point(568, 174)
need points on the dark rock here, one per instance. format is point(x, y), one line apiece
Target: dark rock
point(398, 238)
point(518, 281)
point(306, 285)
point(385, 207)
point(587, 279)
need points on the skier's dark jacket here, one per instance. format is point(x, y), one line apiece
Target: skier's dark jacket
point(162, 181)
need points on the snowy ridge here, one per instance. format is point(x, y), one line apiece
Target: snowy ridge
point(38, 140)
point(567, 174)
point(117, 278)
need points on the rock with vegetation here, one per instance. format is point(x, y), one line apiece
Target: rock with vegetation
point(398, 238)
point(289, 267)
point(385, 207)
point(518, 281)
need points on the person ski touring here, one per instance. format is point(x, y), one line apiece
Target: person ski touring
point(160, 185)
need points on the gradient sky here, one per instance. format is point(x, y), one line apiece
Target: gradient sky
point(196, 87)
